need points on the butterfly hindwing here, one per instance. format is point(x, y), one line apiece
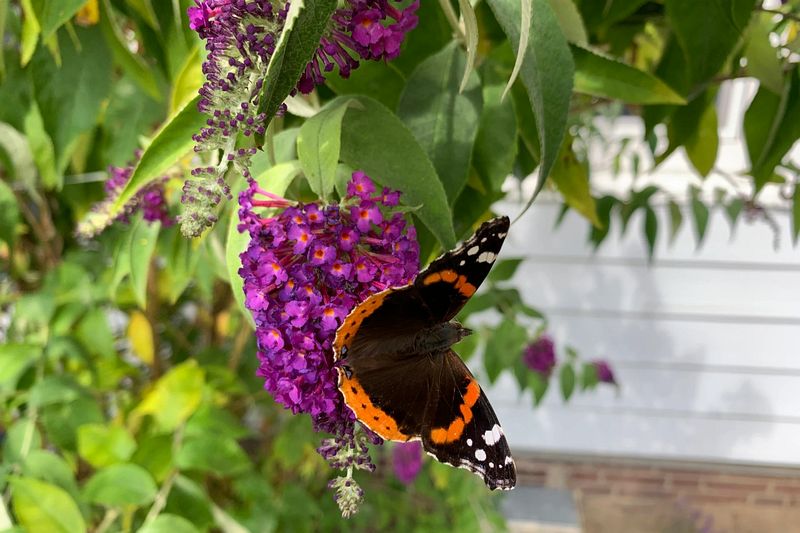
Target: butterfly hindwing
point(462, 430)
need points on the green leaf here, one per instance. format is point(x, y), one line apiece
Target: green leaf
point(41, 147)
point(599, 75)
point(608, 12)
point(275, 180)
point(707, 32)
point(182, 256)
point(675, 220)
point(771, 128)
point(175, 397)
point(55, 389)
point(30, 31)
point(14, 360)
point(318, 145)
point(733, 209)
point(171, 142)
point(567, 381)
point(503, 347)
point(41, 506)
point(702, 144)
point(547, 73)
point(796, 214)
point(169, 523)
point(763, 60)
point(71, 96)
point(190, 499)
point(62, 420)
point(102, 445)
point(52, 14)
point(22, 437)
point(650, 230)
point(15, 155)
point(141, 245)
point(132, 64)
point(188, 80)
point(471, 40)
point(495, 147)
point(9, 215)
point(604, 207)
point(571, 177)
point(47, 466)
point(570, 21)
point(504, 270)
point(121, 485)
point(589, 378)
point(442, 118)
point(375, 141)
point(217, 454)
point(700, 215)
point(538, 385)
point(305, 23)
point(382, 81)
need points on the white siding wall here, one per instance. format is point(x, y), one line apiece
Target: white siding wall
point(706, 343)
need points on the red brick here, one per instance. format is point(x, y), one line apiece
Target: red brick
point(737, 487)
point(717, 498)
point(781, 488)
point(765, 500)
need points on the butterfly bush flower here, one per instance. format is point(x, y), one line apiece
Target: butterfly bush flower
point(540, 356)
point(366, 29)
point(240, 37)
point(407, 461)
point(304, 269)
point(604, 372)
point(150, 200)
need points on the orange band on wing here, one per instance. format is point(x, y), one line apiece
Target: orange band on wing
point(348, 329)
point(368, 413)
point(454, 431)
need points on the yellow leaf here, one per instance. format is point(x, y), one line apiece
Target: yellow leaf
point(89, 14)
point(141, 336)
point(175, 396)
point(223, 323)
point(572, 180)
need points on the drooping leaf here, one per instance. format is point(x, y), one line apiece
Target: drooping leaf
point(599, 75)
point(318, 146)
point(471, 40)
point(675, 220)
point(375, 141)
point(52, 14)
point(571, 177)
point(567, 380)
point(763, 61)
point(650, 230)
point(41, 506)
point(442, 117)
point(570, 21)
point(547, 74)
point(700, 214)
point(121, 485)
point(604, 206)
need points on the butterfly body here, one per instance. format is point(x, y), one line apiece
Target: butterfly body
point(401, 378)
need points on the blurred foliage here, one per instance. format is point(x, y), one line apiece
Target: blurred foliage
point(128, 395)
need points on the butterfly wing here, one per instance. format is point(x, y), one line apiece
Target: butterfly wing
point(461, 428)
point(451, 279)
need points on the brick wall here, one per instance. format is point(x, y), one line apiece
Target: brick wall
point(621, 496)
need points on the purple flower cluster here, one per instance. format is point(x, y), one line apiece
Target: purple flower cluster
point(369, 29)
point(604, 372)
point(151, 200)
point(540, 356)
point(407, 461)
point(304, 270)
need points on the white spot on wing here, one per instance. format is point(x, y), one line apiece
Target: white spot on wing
point(483, 240)
point(480, 455)
point(491, 464)
point(502, 235)
point(486, 257)
point(474, 250)
point(508, 460)
point(491, 436)
point(469, 442)
point(462, 263)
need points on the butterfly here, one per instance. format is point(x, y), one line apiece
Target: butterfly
point(400, 376)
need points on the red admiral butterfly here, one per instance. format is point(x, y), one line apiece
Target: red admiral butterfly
point(399, 375)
